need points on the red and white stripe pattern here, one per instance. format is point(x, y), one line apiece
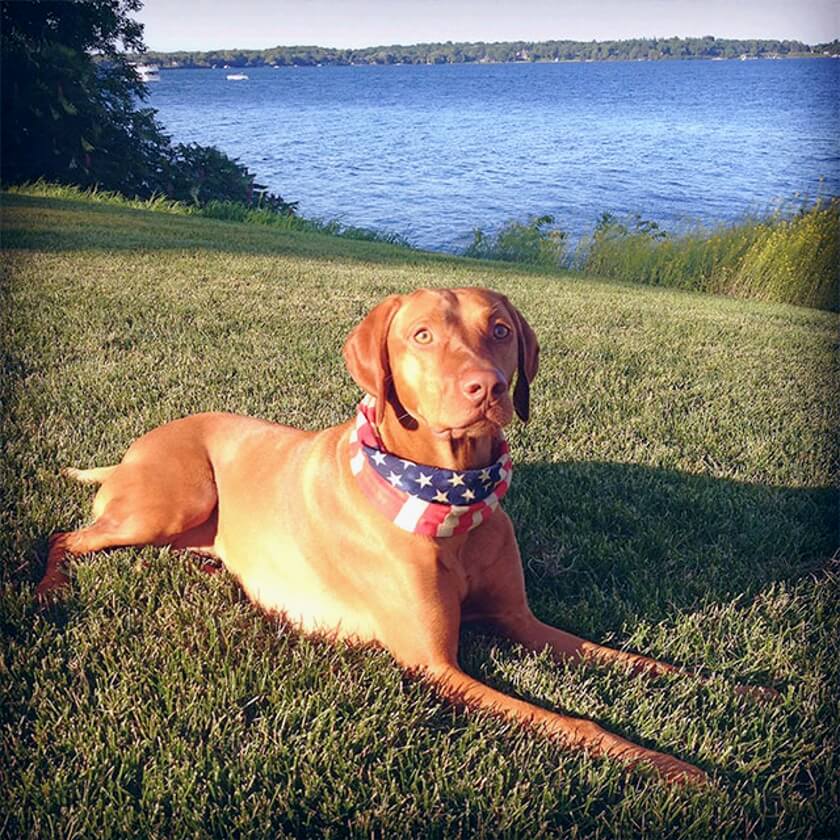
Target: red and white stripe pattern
point(411, 495)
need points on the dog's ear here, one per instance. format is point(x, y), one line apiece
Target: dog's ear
point(366, 352)
point(527, 364)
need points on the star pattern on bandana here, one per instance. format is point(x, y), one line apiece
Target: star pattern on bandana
point(418, 498)
point(453, 487)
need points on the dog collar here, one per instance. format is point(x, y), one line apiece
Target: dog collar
point(418, 498)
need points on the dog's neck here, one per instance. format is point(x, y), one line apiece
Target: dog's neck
point(416, 442)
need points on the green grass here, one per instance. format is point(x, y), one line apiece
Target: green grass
point(673, 493)
point(229, 211)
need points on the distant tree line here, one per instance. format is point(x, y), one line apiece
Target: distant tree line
point(707, 47)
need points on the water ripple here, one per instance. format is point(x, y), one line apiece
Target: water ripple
point(434, 151)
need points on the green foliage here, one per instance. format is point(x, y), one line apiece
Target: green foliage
point(72, 111)
point(203, 174)
point(532, 243)
point(794, 260)
point(675, 492)
point(64, 116)
point(502, 51)
point(783, 258)
point(829, 48)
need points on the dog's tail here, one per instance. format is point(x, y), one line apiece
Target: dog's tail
point(93, 476)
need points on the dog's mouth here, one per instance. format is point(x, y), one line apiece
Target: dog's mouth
point(461, 432)
point(485, 423)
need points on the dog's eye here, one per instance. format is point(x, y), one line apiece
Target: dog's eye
point(501, 331)
point(423, 336)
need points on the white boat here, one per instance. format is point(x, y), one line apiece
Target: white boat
point(147, 72)
point(237, 77)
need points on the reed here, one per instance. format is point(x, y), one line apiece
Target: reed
point(783, 258)
point(535, 242)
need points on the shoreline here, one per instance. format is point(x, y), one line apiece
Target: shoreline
point(750, 258)
point(150, 57)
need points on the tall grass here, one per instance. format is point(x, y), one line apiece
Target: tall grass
point(232, 211)
point(48, 189)
point(783, 259)
point(228, 211)
point(535, 242)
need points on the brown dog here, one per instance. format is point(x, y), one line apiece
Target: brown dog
point(315, 527)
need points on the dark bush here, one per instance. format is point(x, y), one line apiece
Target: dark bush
point(73, 110)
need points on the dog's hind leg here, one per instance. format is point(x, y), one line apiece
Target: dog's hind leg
point(103, 533)
point(139, 503)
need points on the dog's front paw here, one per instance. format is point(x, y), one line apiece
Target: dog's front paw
point(50, 587)
point(673, 770)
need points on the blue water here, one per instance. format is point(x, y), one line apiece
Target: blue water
point(435, 151)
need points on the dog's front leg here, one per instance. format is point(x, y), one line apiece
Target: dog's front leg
point(424, 639)
point(500, 603)
point(524, 628)
point(578, 733)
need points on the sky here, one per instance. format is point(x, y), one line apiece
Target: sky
point(256, 24)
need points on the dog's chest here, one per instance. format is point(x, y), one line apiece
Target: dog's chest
point(466, 566)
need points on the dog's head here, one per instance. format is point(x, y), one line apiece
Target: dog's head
point(445, 359)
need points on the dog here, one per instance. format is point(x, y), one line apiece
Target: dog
point(385, 529)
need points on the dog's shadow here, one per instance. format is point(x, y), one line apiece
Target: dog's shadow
point(606, 545)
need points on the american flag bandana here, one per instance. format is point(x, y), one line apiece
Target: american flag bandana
point(422, 499)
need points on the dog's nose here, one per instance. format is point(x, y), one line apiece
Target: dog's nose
point(480, 385)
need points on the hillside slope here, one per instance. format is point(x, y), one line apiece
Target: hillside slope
point(674, 492)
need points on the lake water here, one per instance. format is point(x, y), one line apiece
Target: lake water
point(435, 151)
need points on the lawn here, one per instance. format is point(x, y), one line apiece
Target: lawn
point(673, 493)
